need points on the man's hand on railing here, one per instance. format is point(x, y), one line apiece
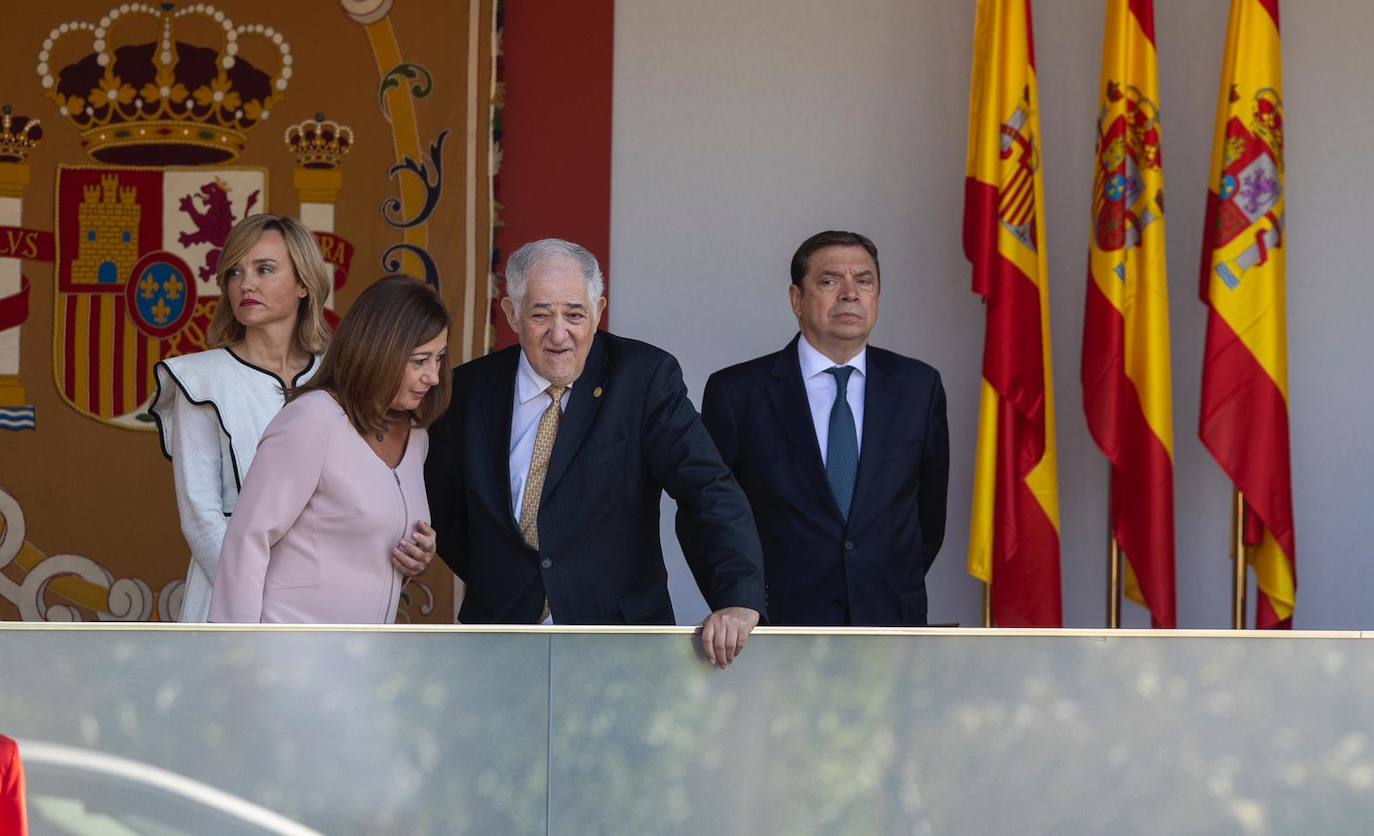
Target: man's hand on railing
point(724, 633)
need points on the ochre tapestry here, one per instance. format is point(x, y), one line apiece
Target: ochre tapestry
point(134, 136)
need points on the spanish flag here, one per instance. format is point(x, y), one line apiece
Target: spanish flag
point(1127, 392)
point(1244, 415)
point(1014, 536)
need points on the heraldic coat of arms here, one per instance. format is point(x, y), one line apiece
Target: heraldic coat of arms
point(138, 235)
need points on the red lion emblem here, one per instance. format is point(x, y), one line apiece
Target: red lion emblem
point(212, 224)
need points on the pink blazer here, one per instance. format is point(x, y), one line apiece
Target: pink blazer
point(311, 537)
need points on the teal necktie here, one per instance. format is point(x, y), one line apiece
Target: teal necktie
point(842, 443)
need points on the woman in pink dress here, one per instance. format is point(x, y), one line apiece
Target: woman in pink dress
point(334, 506)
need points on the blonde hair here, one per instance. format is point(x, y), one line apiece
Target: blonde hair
point(312, 331)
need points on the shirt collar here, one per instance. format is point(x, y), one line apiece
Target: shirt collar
point(528, 382)
point(813, 362)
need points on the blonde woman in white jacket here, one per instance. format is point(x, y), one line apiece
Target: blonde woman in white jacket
point(267, 335)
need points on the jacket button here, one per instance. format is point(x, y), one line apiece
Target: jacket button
point(848, 546)
point(546, 563)
point(837, 603)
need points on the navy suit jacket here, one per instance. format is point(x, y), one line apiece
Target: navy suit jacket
point(628, 433)
point(820, 569)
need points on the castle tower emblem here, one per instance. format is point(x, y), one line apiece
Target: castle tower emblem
point(107, 226)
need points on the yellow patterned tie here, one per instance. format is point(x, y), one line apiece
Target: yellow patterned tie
point(539, 466)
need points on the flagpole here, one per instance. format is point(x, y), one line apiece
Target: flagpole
point(1113, 562)
point(1238, 556)
point(987, 605)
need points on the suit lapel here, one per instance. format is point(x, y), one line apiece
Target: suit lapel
point(583, 403)
point(787, 391)
point(497, 414)
point(880, 403)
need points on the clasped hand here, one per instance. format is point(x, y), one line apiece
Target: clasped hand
point(413, 555)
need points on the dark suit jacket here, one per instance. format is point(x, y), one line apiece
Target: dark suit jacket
point(627, 434)
point(819, 569)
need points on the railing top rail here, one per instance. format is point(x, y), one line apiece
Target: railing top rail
point(958, 632)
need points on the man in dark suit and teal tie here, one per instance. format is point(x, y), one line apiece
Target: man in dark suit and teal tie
point(842, 449)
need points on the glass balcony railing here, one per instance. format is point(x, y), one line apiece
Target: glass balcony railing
point(180, 729)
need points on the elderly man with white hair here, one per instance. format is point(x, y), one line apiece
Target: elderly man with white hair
point(545, 476)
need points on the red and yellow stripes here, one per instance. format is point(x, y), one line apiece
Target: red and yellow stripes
point(1244, 414)
point(1014, 536)
point(106, 363)
point(1127, 391)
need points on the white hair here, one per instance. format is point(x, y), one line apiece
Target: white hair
point(523, 260)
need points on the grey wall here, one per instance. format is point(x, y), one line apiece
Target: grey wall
point(741, 128)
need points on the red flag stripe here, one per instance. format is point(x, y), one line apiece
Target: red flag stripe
point(1142, 471)
point(1272, 7)
point(1236, 392)
point(141, 346)
point(1144, 11)
point(68, 351)
point(1013, 361)
point(1025, 544)
point(1266, 618)
point(1209, 245)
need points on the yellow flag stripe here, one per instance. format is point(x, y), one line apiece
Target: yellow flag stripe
point(982, 517)
point(1255, 310)
point(1044, 479)
point(1274, 574)
point(79, 342)
point(107, 352)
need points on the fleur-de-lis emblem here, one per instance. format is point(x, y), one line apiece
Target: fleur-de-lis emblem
point(1116, 188)
point(161, 299)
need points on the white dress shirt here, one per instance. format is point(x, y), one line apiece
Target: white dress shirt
point(531, 399)
point(821, 388)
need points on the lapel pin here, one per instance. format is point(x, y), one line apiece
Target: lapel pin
point(596, 393)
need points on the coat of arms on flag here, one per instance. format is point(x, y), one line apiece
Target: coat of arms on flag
point(1128, 150)
point(136, 255)
point(1250, 186)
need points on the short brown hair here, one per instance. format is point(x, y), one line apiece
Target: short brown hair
point(312, 331)
point(801, 259)
point(367, 357)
